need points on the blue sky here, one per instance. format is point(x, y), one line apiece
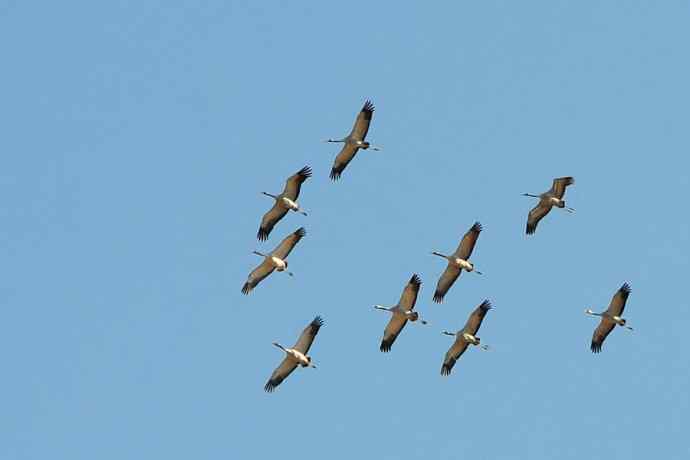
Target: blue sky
point(137, 137)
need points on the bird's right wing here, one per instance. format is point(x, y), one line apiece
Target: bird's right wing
point(409, 294)
point(452, 355)
point(559, 185)
point(294, 183)
point(617, 304)
point(536, 214)
point(393, 328)
point(343, 158)
point(270, 219)
point(285, 246)
point(446, 280)
point(286, 367)
point(308, 334)
point(361, 127)
point(258, 274)
point(464, 250)
point(600, 333)
point(476, 318)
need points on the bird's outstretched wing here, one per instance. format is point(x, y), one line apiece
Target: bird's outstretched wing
point(393, 328)
point(286, 367)
point(308, 334)
point(464, 250)
point(474, 322)
point(270, 219)
point(283, 249)
point(343, 158)
point(361, 127)
point(600, 333)
point(559, 185)
point(294, 183)
point(409, 294)
point(617, 304)
point(452, 355)
point(536, 214)
point(450, 274)
point(258, 274)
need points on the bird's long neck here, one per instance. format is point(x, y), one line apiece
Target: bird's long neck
point(336, 140)
point(448, 333)
point(530, 195)
point(381, 307)
point(280, 346)
point(591, 313)
point(439, 254)
point(272, 196)
point(258, 253)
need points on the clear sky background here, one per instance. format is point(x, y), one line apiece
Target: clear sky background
point(138, 135)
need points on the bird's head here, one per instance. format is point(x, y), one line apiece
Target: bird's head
point(589, 311)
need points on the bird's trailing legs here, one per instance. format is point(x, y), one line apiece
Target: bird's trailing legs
point(569, 209)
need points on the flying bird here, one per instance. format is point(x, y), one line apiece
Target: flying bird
point(458, 261)
point(295, 356)
point(402, 313)
point(284, 202)
point(276, 260)
point(354, 141)
point(465, 337)
point(610, 318)
point(547, 200)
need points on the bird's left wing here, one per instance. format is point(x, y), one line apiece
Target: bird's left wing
point(474, 322)
point(450, 274)
point(258, 274)
point(452, 355)
point(619, 299)
point(285, 246)
point(361, 127)
point(559, 185)
point(343, 158)
point(409, 294)
point(600, 333)
point(269, 220)
point(286, 367)
point(468, 241)
point(535, 215)
point(308, 334)
point(393, 328)
point(294, 183)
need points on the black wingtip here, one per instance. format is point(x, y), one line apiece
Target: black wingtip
point(246, 289)
point(445, 370)
point(596, 347)
point(477, 227)
point(438, 297)
point(486, 305)
point(300, 232)
point(416, 280)
point(335, 174)
point(386, 346)
point(262, 234)
point(368, 107)
point(305, 172)
point(317, 322)
point(625, 289)
point(530, 229)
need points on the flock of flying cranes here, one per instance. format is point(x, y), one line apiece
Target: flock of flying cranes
point(403, 312)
